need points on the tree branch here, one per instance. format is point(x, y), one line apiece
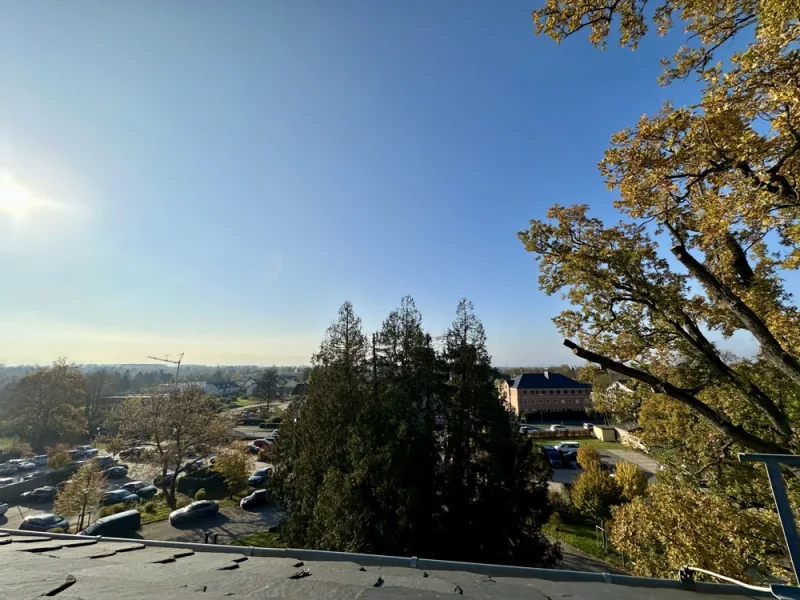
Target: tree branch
point(658, 385)
point(751, 321)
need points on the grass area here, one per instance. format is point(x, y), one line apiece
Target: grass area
point(262, 539)
point(590, 442)
point(583, 537)
point(243, 402)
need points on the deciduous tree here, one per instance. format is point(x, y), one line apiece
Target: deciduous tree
point(45, 405)
point(234, 464)
point(631, 479)
point(81, 493)
point(594, 493)
point(588, 457)
point(710, 232)
point(672, 526)
point(183, 425)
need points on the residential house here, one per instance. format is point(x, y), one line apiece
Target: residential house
point(546, 392)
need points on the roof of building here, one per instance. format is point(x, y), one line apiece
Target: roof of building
point(74, 567)
point(546, 380)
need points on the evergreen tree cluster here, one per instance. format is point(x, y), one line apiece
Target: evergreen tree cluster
point(405, 446)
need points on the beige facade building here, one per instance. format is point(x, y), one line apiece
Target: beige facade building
point(546, 392)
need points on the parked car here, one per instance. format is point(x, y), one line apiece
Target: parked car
point(191, 466)
point(104, 462)
point(62, 484)
point(262, 443)
point(525, 429)
point(117, 472)
point(3, 508)
point(260, 476)
point(6, 481)
point(122, 524)
point(8, 469)
point(44, 522)
point(588, 426)
point(164, 480)
point(567, 448)
point(257, 498)
point(42, 494)
point(118, 497)
point(132, 452)
point(557, 428)
point(196, 510)
point(29, 476)
point(141, 488)
point(27, 466)
point(253, 448)
point(553, 456)
point(40, 459)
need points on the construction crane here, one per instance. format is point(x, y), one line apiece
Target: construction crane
point(167, 359)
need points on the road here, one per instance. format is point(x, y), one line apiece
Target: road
point(232, 523)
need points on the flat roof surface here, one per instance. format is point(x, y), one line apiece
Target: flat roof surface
point(73, 568)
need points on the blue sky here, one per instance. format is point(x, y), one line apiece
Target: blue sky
point(217, 178)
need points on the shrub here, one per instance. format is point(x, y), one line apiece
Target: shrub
point(588, 457)
point(555, 521)
point(562, 504)
point(632, 479)
point(266, 454)
point(106, 511)
point(200, 494)
point(276, 420)
point(150, 508)
point(59, 461)
point(594, 493)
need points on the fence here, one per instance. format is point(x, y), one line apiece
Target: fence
point(11, 493)
point(563, 433)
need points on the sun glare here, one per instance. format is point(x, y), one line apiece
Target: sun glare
point(16, 199)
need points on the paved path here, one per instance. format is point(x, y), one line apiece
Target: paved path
point(232, 523)
point(575, 560)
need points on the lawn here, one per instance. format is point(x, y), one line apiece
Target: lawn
point(591, 442)
point(262, 539)
point(243, 402)
point(583, 537)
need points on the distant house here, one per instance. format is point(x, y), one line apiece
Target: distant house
point(230, 388)
point(546, 392)
point(208, 388)
point(301, 389)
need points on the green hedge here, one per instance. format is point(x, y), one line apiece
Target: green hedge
point(211, 481)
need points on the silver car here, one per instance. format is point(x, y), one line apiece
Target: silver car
point(195, 510)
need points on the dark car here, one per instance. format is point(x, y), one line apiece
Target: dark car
point(141, 489)
point(165, 480)
point(257, 498)
point(119, 525)
point(118, 497)
point(260, 477)
point(42, 494)
point(553, 456)
point(196, 510)
point(44, 522)
point(131, 453)
point(62, 484)
point(116, 472)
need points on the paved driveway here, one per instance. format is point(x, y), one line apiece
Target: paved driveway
point(610, 457)
point(232, 523)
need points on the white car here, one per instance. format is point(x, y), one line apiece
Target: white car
point(40, 460)
point(588, 426)
point(3, 508)
point(6, 481)
point(27, 466)
point(557, 428)
point(567, 447)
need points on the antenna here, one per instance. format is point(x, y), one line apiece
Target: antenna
point(167, 359)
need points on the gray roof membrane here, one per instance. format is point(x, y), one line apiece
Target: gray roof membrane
point(72, 568)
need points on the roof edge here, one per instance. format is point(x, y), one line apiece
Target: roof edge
point(412, 562)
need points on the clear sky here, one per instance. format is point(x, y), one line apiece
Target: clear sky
point(216, 178)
